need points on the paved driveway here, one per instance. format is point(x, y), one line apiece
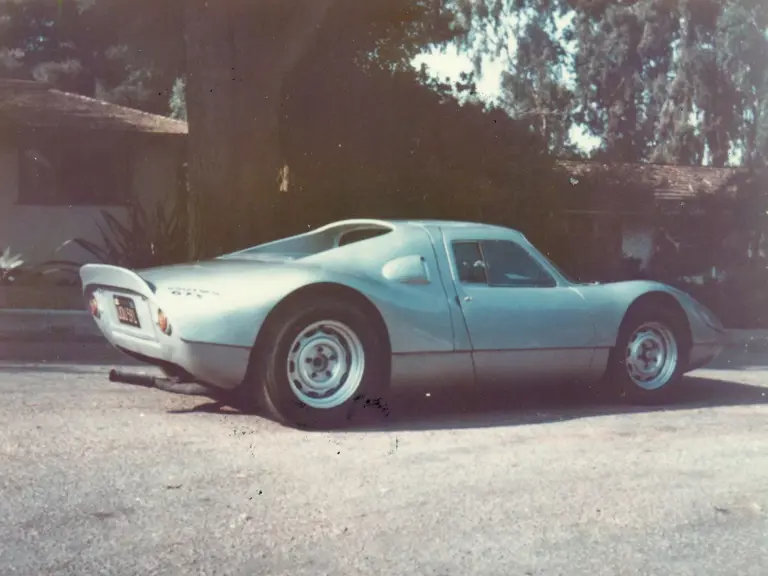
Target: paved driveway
point(99, 478)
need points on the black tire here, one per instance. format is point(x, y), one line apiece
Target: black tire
point(618, 378)
point(270, 375)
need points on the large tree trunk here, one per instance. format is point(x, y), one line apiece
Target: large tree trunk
point(209, 93)
point(238, 54)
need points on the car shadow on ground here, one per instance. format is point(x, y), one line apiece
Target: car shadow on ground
point(436, 407)
point(431, 408)
point(455, 409)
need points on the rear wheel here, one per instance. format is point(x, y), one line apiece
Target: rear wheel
point(648, 362)
point(321, 363)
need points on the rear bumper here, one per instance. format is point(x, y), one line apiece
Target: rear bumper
point(220, 366)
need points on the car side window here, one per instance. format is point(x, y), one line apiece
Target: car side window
point(469, 263)
point(509, 264)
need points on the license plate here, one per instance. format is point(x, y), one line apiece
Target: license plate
point(126, 312)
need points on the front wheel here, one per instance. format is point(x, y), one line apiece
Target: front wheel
point(648, 362)
point(323, 362)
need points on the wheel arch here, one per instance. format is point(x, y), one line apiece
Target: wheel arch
point(664, 300)
point(659, 299)
point(319, 290)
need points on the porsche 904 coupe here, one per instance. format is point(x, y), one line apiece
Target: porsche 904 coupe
point(311, 324)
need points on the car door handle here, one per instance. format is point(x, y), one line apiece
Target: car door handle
point(465, 298)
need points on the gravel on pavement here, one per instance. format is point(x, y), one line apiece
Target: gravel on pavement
point(103, 478)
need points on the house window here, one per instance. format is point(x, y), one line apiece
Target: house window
point(90, 169)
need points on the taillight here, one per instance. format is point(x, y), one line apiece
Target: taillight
point(163, 323)
point(94, 307)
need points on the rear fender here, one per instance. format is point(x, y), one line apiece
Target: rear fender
point(228, 303)
point(229, 315)
point(416, 316)
point(224, 313)
point(232, 313)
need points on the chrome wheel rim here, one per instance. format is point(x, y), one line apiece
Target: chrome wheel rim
point(651, 356)
point(325, 364)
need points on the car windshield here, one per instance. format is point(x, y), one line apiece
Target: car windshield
point(557, 268)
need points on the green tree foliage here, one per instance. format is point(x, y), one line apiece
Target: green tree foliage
point(533, 88)
point(126, 51)
point(681, 81)
point(178, 100)
point(742, 30)
point(615, 104)
point(41, 40)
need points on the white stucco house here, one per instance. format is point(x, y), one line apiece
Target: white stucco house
point(64, 158)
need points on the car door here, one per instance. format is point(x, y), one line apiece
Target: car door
point(524, 322)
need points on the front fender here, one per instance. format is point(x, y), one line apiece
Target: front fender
point(705, 326)
point(610, 303)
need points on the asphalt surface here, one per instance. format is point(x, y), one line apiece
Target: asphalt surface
point(102, 478)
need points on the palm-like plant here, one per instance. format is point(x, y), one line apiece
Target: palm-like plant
point(9, 266)
point(141, 242)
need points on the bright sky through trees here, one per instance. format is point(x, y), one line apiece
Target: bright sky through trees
point(451, 63)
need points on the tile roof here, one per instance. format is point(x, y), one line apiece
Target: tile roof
point(669, 181)
point(35, 104)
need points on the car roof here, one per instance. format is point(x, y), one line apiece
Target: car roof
point(442, 223)
point(424, 223)
point(449, 224)
point(416, 223)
